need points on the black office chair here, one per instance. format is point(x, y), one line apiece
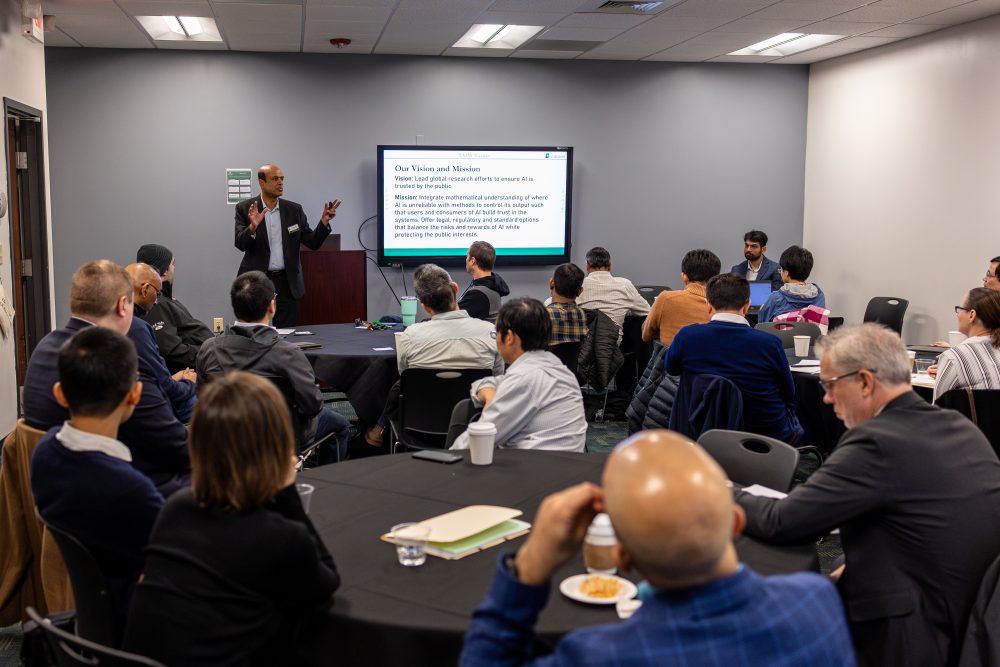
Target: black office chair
point(887, 310)
point(95, 616)
point(73, 651)
point(749, 459)
point(787, 331)
point(426, 399)
point(568, 353)
point(300, 423)
point(636, 353)
point(982, 406)
point(650, 292)
point(464, 413)
point(835, 323)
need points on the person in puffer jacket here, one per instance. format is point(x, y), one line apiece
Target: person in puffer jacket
point(796, 294)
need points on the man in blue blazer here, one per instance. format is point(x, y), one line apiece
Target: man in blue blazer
point(757, 266)
point(674, 518)
point(269, 231)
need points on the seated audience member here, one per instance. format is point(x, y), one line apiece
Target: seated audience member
point(537, 403)
point(234, 564)
point(82, 477)
point(616, 297)
point(975, 362)
point(253, 345)
point(911, 487)
point(990, 280)
point(675, 520)
point(675, 309)
point(569, 322)
point(796, 265)
point(757, 266)
point(753, 360)
point(481, 299)
point(179, 388)
point(101, 294)
point(451, 339)
point(178, 334)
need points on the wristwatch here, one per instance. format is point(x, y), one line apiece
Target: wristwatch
point(509, 564)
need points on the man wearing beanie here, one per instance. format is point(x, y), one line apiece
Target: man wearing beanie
point(178, 334)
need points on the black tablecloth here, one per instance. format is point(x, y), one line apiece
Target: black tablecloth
point(386, 614)
point(348, 363)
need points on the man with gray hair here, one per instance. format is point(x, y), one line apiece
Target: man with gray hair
point(915, 491)
point(451, 339)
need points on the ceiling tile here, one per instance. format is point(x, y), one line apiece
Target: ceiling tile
point(864, 42)
point(729, 9)
point(84, 7)
point(411, 50)
point(428, 11)
point(815, 55)
point(544, 55)
point(842, 27)
point(961, 14)
point(879, 13)
point(752, 24)
point(521, 18)
point(166, 8)
point(182, 45)
point(431, 33)
point(533, 5)
point(588, 34)
point(596, 20)
point(390, 4)
point(742, 59)
point(114, 32)
point(352, 29)
point(611, 52)
point(801, 11)
point(903, 30)
point(58, 38)
point(355, 14)
point(478, 53)
point(326, 47)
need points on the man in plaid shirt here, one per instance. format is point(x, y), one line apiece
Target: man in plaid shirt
point(569, 323)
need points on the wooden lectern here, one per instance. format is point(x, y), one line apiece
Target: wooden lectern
point(336, 284)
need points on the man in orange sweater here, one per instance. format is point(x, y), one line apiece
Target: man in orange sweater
point(675, 309)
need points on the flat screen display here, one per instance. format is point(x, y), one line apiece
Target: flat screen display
point(434, 201)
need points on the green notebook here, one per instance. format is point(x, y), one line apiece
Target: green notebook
point(490, 537)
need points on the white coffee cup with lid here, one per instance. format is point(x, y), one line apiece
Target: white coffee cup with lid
point(598, 546)
point(482, 436)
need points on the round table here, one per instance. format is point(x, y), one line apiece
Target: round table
point(387, 614)
point(349, 362)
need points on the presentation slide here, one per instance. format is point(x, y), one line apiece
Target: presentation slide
point(436, 200)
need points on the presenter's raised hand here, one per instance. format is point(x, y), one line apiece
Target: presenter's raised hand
point(329, 211)
point(254, 216)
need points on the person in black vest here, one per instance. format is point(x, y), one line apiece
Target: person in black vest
point(482, 298)
point(269, 231)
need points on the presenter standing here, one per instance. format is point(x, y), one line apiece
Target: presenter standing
point(269, 230)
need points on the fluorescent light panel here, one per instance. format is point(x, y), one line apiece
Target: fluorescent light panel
point(180, 28)
point(495, 36)
point(786, 44)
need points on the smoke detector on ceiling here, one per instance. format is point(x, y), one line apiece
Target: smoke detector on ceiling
point(340, 42)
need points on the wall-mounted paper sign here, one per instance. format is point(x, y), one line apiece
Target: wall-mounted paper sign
point(238, 185)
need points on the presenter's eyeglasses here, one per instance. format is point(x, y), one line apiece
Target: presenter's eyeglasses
point(827, 385)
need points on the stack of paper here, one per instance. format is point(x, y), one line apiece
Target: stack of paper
point(471, 529)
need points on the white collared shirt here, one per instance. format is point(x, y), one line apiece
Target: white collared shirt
point(732, 318)
point(76, 440)
point(272, 218)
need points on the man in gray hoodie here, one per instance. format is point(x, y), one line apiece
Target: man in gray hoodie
point(253, 345)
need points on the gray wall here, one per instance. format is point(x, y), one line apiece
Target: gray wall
point(669, 157)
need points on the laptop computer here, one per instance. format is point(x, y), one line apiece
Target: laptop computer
point(760, 290)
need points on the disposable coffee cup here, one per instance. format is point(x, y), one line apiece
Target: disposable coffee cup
point(912, 356)
point(408, 308)
point(801, 346)
point(305, 495)
point(955, 338)
point(482, 435)
point(598, 546)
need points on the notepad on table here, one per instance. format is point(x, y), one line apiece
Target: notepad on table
point(471, 529)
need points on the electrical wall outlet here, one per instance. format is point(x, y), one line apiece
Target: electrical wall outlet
point(218, 325)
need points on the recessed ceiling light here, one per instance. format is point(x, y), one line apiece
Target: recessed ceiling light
point(180, 28)
point(786, 44)
point(496, 36)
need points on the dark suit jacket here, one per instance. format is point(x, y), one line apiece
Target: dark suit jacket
point(257, 250)
point(158, 441)
point(915, 492)
point(769, 270)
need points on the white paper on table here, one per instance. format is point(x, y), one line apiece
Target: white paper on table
point(806, 363)
point(809, 370)
point(302, 333)
point(382, 349)
point(764, 492)
point(285, 332)
point(923, 380)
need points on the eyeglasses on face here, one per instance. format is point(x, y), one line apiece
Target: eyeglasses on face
point(827, 385)
point(961, 308)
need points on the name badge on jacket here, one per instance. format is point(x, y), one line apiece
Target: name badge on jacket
point(293, 229)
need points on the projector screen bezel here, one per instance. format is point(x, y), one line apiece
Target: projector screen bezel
point(502, 260)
